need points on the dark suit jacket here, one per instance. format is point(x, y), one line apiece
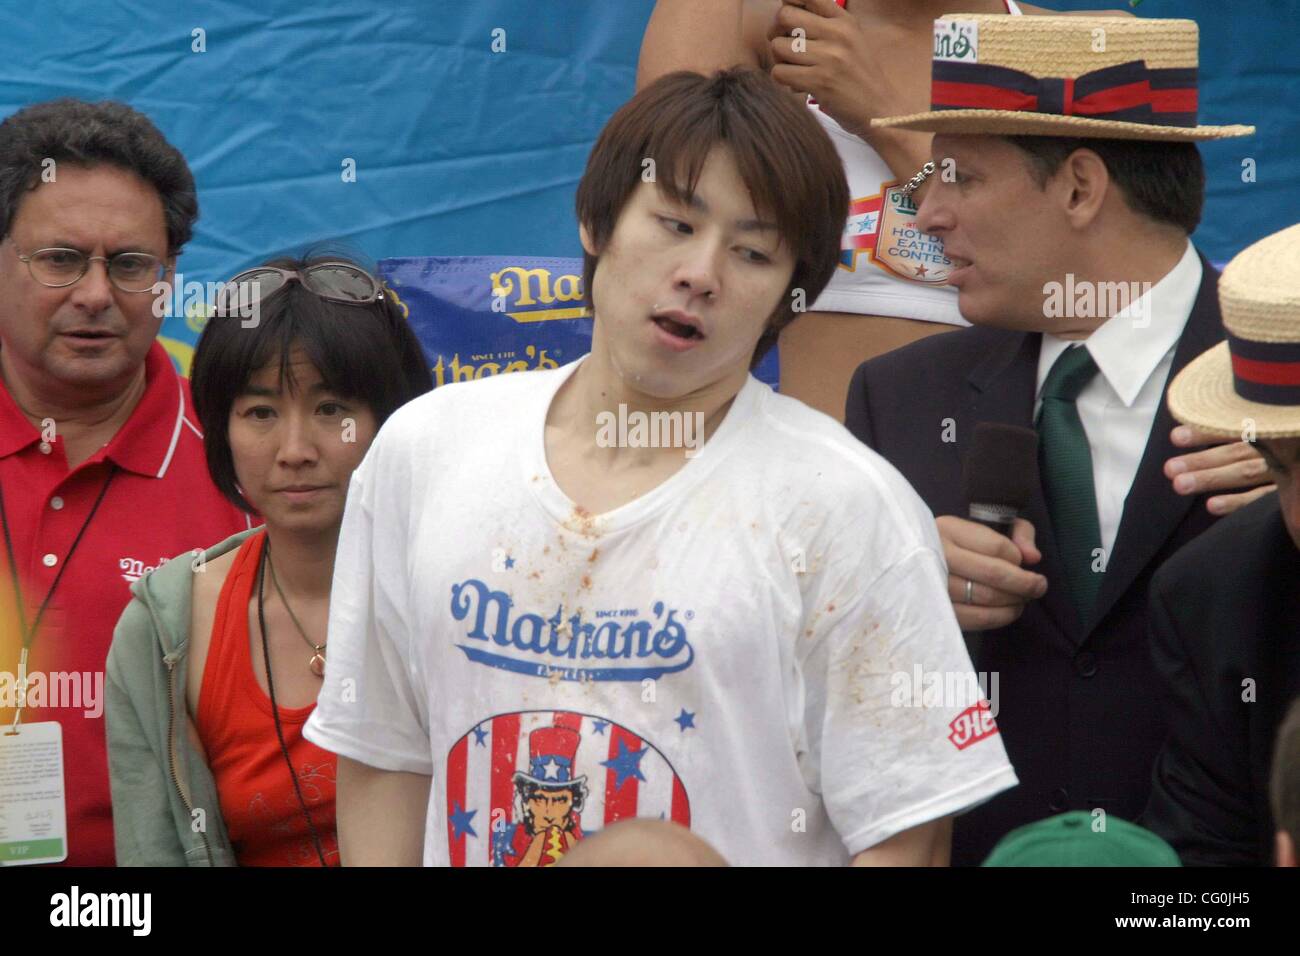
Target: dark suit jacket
point(1224, 610)
point(1078, 713)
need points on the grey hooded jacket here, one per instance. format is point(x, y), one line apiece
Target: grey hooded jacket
point(165, 806)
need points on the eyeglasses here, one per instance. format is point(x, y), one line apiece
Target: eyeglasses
point(129, 271)
point(335, 281)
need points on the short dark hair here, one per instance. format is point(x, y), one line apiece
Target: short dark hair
point(787, 160)
point(367, 353)
point(1161, 180)
point(1284, 785)
point(94, 134)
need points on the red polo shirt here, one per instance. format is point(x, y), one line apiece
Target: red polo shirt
point(161, 504)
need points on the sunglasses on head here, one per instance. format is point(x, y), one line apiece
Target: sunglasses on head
point(335, 281)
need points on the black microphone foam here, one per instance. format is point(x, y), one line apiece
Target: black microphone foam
point(1000, 473)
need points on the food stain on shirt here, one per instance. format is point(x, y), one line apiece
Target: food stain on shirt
point(583, 523)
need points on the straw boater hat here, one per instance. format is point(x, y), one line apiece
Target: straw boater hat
point(1255, 375)
point(1104, 77)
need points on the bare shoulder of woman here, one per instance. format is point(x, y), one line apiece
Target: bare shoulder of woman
point(1043, 11)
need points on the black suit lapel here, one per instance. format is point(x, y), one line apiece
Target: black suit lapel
point(1005, 386)
point(1153, 510)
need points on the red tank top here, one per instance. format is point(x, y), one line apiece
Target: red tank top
point(235, 723)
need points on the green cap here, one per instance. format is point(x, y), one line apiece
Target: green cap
point(1074, 839)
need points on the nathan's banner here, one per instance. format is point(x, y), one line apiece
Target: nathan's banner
point(485, 315)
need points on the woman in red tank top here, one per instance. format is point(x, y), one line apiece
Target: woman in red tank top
point(291, 379)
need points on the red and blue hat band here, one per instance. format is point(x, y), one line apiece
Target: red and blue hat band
point(1265, 372)
point(1127, 92)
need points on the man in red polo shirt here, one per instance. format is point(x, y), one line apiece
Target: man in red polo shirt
point(102, 471)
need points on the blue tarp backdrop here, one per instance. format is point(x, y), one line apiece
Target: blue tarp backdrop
point(462, 150)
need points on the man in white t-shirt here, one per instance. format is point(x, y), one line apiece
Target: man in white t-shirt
point(643, 584)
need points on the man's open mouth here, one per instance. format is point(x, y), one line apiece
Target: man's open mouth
point(678, 329)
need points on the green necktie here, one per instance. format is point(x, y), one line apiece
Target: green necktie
point(1066, 466)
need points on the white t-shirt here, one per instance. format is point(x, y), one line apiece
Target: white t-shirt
point(743, 649)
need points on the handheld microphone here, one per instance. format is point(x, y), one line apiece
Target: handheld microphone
point(1000, 474)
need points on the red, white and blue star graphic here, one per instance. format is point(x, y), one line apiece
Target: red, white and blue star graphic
point(523, 788)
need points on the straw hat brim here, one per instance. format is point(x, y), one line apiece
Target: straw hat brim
point(1019, 123)
point(1202, 396)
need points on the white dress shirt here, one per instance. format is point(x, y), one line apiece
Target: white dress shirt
point(1134, 350)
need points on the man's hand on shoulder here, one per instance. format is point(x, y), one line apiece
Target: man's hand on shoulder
point(994, 565)
point(1225, 466)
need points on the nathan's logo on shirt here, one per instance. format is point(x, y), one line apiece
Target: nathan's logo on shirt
point(133, 569)
point(619, 645)
point(883, 227)
point(972, 725)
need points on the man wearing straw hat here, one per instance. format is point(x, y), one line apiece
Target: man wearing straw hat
point(1065, 184)
point(1225, 611)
